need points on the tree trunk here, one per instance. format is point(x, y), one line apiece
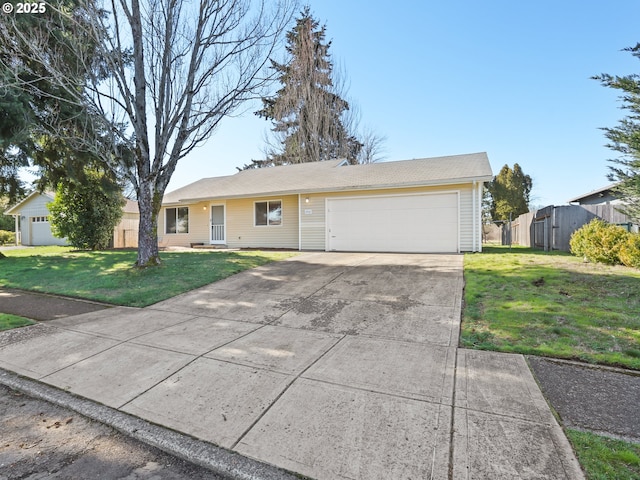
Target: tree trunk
point(149, 202)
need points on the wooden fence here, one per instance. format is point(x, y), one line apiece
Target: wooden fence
point(550, 228)
point(125, 235)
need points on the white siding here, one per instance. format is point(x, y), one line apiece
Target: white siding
point(466, 219)
point(38, 233)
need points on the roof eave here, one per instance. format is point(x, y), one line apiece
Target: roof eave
point(594, 192)
point(351, 188)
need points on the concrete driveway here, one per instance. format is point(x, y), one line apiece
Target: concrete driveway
point(331, 365)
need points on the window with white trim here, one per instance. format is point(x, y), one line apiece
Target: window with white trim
point(39, 219)
point(268, 213)
point(176, 220)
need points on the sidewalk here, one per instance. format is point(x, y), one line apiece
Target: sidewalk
point(331, 366)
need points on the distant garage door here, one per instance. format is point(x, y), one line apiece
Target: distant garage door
point(409, 223)
point(40, 232)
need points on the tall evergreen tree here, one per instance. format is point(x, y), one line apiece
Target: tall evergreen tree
point(307, 112)
point(625, 139)
point(509, 191)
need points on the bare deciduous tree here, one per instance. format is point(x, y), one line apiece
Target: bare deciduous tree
point(167, 72)
point(373, 146)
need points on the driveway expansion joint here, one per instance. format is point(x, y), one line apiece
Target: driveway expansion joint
point(296, 377)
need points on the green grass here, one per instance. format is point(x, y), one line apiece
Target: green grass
point(8, 321)
point(603, 458)
point(108, 276)
point(551, 304)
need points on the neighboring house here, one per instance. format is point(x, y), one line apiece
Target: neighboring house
point(604, 203)
point(33, 227)
point(425, 205)
point(600, 196)
point(32, 220)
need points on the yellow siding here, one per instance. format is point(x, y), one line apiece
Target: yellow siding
point(241, 232)
point(198, 227)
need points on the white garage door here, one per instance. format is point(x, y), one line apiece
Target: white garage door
point(41, 232)
point(408, 223)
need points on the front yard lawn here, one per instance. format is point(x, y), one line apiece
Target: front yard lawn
point(551, 304)
point(8, 321)
point(605, 458)
point(108, 276)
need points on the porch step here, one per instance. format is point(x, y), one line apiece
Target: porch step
point(208, 247)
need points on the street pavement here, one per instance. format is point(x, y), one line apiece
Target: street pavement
point(329, 365)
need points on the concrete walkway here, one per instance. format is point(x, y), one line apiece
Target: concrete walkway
point(334, 366)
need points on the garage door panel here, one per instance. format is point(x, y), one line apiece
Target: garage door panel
point(416, 223)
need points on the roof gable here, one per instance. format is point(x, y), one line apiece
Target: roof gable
point(15, 210)
point(334, 175)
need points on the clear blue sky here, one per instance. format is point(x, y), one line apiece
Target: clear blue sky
point(507, 77)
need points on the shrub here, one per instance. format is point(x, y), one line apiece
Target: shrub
point(86, 213)
point(7, 237)
point(599, 241)
point(630, 251)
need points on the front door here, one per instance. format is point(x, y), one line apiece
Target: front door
point(218, 234)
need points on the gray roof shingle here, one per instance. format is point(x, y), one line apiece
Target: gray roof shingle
point(332, 175)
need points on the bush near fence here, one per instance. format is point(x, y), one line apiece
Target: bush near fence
point(630, 251)
point(551, 227)
point(602, 242)
point(598, 241)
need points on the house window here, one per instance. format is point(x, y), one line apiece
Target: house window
point(268, 213)
point(39, 219)
point(177, 220)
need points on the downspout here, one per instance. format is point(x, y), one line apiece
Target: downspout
point(299, 223)
point(475, 214)
point(480, 192)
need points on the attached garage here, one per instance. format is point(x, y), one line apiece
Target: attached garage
point(396, 223)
